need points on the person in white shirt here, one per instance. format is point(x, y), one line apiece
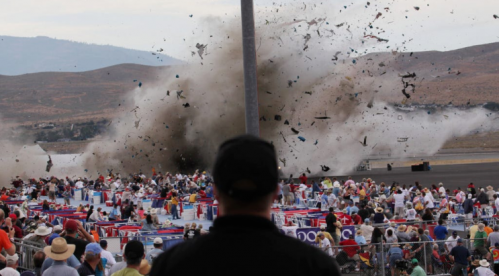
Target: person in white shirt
point(428, 200)
point(441, 190)
point(451, 242)
point(11, 262)
point(79, 184)
point(496, 202)
point(108, 256)
point(367, 229)
point(483, 270)
point(332, 200)
point(325, 244)
point(96, 216)
point(410, 213)
point(399, 202)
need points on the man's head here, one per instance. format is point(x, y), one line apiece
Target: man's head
point(440, 222)
point(103, 244)
point(246, 175)
point(420, 231)
point(158, 242)
point(331, 210)
point(12, 260)
point(38, 259)
point(414, 262)
point(92, 253)
point(321, 236)
point(71, 227)
point(459, 241)
point(481, 227)
point(134, 253)
point(454, 234)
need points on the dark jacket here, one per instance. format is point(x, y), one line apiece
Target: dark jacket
point(244, 245)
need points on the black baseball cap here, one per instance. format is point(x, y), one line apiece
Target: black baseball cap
point(246, 168)
point(134, 249)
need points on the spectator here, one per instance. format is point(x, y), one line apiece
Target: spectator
point(416, 269)
point(147, 224)
point(119, 265)
point(90, 212)
point(401, 234)
point(158, 249)
point(59, 251)
point(479, 241)
point(134, 253)
point(359, 238)
point(379, 217)
point(351, 248)
point(332, 223)
point(495, 252)
point(451, 242)
point(96, 216)
point(440, 232)
point(493, 237)
point(92, 261)
point(427, 216)
point(461, 256)
point(367, 230)
point(394, 254)
point(174, 210)
point(11, 262)
point(303, 179)
point(72, 261)
point(110, 261)
point(324, 243)
point(246, 175)
point(115, 214)
point(425, 249)
point(38, 260)
point(74, 228)
point(483, 270)
point(326, 235)
point(18, 232)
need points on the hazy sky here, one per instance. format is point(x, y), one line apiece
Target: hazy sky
point(443, 25)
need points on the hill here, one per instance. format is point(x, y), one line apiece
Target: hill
point(22, 55)
point(85, 96)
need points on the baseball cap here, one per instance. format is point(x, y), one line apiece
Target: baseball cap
point(134, 250)
point(320, 234)
point(459, 240)
point(13, 216)
point(71, 225)
point(52, 237)
point(158, 240)
point(454, 233)
point(496, 244)
point(103, 243)
point(93, 248)
point(11, 258)
point(414, 261)
point(246, 168)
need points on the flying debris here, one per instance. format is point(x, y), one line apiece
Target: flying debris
point(302, 138)
point(186, 105)
point(283, 161)
point(376, 37)
point(294, 130)
point(308, 170)
point(201, 48)
point(49, 164)
point(365, 141)
point(325, 168)
point(496, 16)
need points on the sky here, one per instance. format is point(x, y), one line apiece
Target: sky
point(438, 24)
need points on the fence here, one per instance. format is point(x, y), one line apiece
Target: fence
point(375, 259)
point(26, 251)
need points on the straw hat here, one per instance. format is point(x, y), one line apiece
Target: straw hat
point(402, 228)
point(484, 263)
point(440, 184)
point(379, 210)
point(359, 232)
point(145, 267)
point(42, 231)
point(426, 190)
point(407, 246)
point(490, 188)
point(59, 250)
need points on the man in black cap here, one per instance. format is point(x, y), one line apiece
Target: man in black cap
point(461, 256)
point(243, 239)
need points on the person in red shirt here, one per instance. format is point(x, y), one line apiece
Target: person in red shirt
point(351, 247)
point(18, 231)
point(357, 220)
point(202, 193)
point(303, 178)
point(344, 218)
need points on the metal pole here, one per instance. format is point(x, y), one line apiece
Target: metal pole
point(250, 75)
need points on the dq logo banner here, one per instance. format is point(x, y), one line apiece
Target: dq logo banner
point(347, 231)
point(307, 234)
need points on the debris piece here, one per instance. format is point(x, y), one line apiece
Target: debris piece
point(140, 84)
point(416, 8)
point(316, 142)
point(325, 168)
point(301, 138)
point(137, 124)
point(322, 118)
point(277, 117)
point(294, 130)
point(286, 122)
point(201, 48)
point(496, 16)
point(365, 142)
point(283, 161)
point(290, 83)
point(186, 105)
point(49, 165)
point(308, 170)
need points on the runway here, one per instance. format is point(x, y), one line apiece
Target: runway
point(452, 176)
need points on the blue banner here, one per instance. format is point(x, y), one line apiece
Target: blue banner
point(347, 231)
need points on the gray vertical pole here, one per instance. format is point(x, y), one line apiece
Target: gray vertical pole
point(250, 77)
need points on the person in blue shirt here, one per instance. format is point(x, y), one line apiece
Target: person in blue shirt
point(315, 188)
point(324, 198)
point(115, 214)
point(441, 233)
